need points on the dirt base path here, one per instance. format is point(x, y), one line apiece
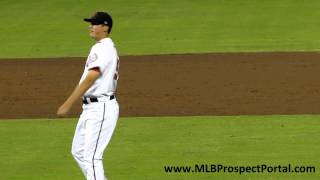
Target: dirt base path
point(172, 85)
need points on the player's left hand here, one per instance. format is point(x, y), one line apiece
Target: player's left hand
point(63, 111)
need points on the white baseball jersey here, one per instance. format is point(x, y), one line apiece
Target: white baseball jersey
point(98, 119)
point(104, 56)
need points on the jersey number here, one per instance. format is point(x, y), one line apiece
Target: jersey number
point(116, 75)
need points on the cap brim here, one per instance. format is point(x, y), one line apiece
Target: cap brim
point(88, 20)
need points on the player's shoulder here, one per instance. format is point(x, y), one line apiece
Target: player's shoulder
point(98, 48)
point(103, 44)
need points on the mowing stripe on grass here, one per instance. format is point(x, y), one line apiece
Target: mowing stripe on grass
point(160, 27)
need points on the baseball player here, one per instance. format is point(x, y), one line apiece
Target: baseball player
point(97, 88)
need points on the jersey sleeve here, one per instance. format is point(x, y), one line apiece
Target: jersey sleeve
point(99, 57)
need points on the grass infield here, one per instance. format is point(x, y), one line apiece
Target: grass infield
point(141, 147)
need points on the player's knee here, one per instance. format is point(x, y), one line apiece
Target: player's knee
point(76, 154)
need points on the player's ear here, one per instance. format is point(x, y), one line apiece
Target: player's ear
point(106, 28)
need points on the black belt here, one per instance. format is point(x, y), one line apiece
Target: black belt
point(94, 99)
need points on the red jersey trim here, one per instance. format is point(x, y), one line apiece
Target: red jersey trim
point(95, 69)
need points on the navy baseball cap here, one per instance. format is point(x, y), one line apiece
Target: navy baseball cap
point(100, 18)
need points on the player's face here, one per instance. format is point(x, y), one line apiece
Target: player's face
point(98, 32)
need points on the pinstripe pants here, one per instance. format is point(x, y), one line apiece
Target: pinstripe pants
point(92, 135)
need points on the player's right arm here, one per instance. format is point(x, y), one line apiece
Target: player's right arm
point(78, 92)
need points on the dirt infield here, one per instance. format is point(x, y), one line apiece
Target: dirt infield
point(172, 85)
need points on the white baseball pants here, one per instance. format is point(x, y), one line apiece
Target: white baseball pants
point(93, 133)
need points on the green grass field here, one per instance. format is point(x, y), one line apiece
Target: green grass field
point(54, 28)
point(141, 147)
